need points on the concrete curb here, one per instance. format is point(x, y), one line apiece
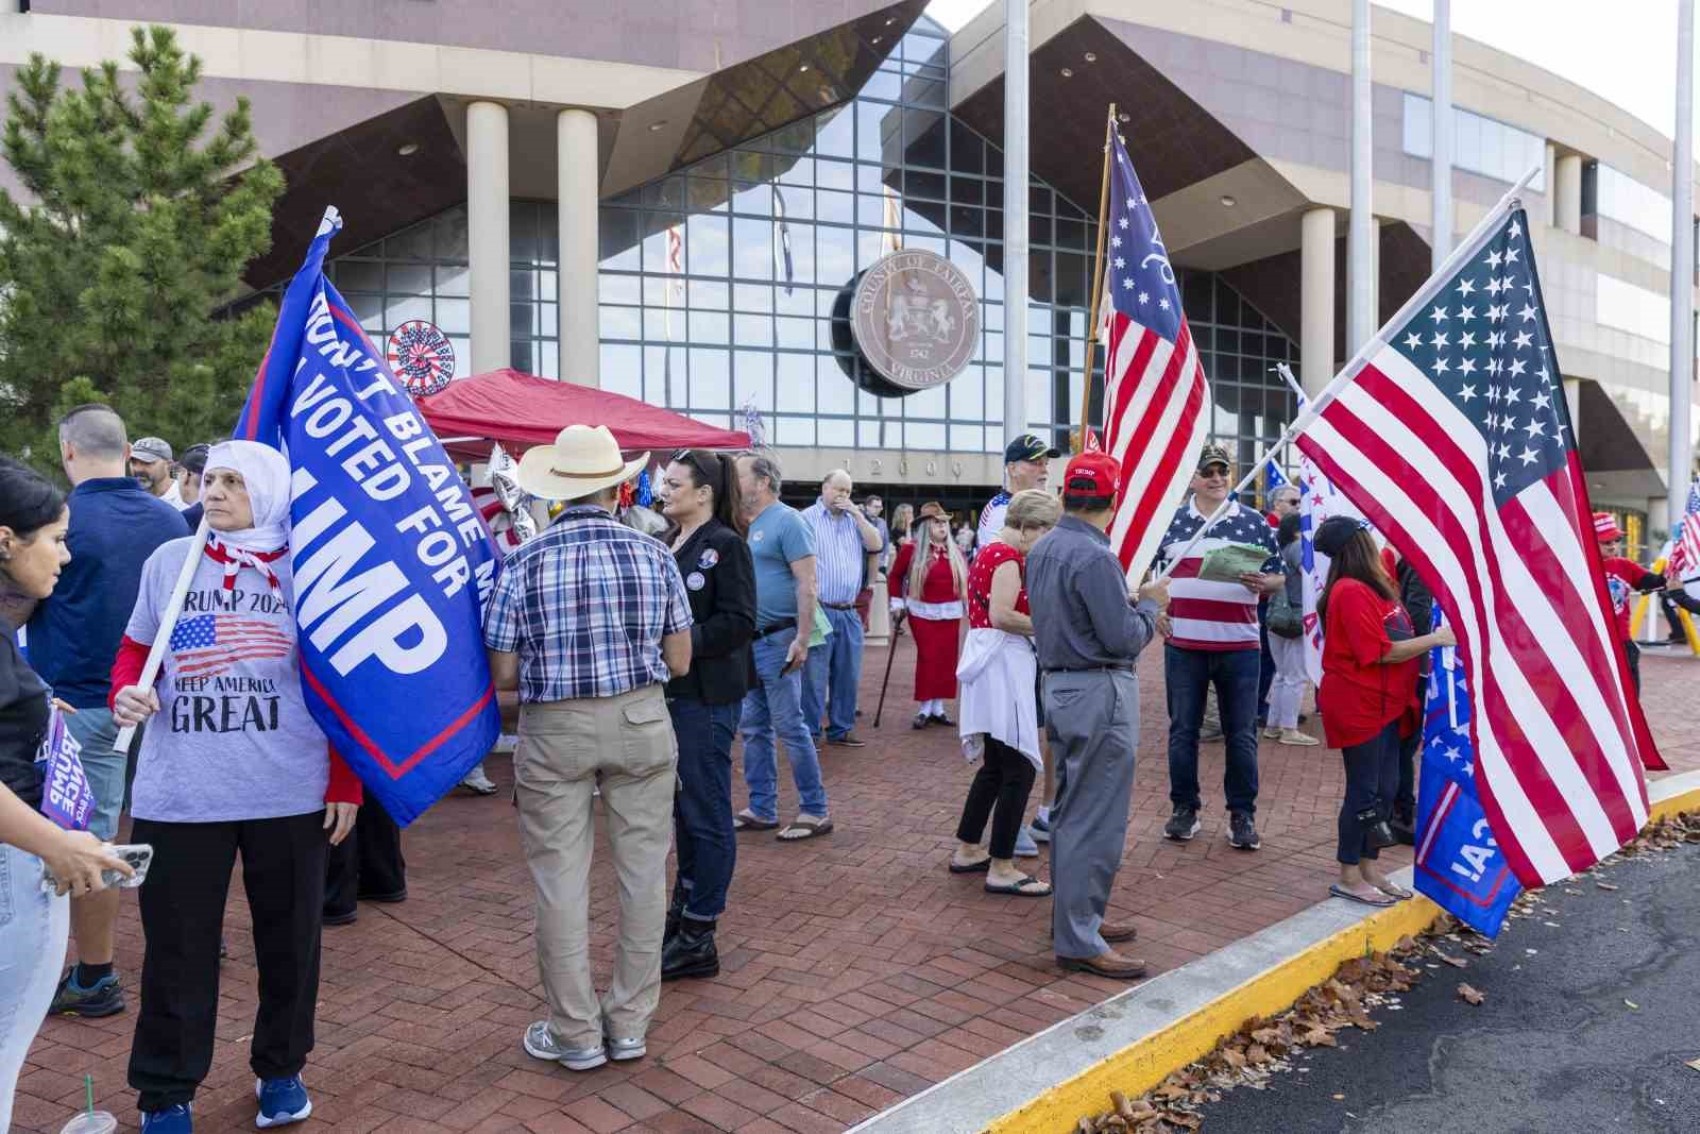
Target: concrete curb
point(1132, 1041)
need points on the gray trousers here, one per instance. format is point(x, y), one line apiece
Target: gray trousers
point(1093, 721)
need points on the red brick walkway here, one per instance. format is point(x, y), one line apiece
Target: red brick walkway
point(855, 969)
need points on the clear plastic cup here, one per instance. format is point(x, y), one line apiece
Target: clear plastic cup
point(91, 1122)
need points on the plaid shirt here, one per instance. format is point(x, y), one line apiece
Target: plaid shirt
point(585, 605)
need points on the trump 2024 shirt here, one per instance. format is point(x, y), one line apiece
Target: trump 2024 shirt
point(233, 738)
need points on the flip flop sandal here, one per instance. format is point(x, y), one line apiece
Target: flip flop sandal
point(747, 820)
point(980, 867)
point(1397, 893)
point(1019, 888)
point(1340, 891)
point(806, 829)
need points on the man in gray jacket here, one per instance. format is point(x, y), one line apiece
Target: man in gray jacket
point(1088, 633)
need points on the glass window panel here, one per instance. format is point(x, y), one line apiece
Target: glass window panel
point(548, 320)
point(1039, 396)
point(795, 386)
point(411, 244)
point(795, 138)
point(709, 327)
point(519, 351)
point(522, 320)
point(796, 334)
point(711, 295)
point(400, 310)
point(832, 207)
point(875, 122)
point(658, 378)
point(793, 203)
point(883, 84)
point(548, 240)
point(711, 380)
point(798, 432)
point(837, 393)
point(835, 254)
point(359, 275)
point(752, 330)
point(369, 309)
point(924, 135)
point(967, 149)
point(522, 232)
point(463, 356)
point(454, 316)
point(835, 433)
point(752, 379)
point(408, 279)
point(622, 369)
point(549, 280)
point(967, 438)
point(522, 286)
point(925, 435)
point(453, 279)
point(835, 175)
point(930, 186)
point(614, 288)
point(835, 133)
point(707, 239)
point(928, 403)
point(754, 200)
point(797, 301)
point(618, 322)
point(752, 249)
point(663, 324)
point(752, 297)
point(450, 236)
point(618, 236)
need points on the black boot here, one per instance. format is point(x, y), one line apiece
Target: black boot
point(691, 953)
point(675, 911)
point(1404, 827)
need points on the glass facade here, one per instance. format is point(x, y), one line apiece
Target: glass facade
point(718, 282)
point(1479, 145)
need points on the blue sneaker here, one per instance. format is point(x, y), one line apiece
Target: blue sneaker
point(282, 1101)
point(1025, 847)
point(171, 1120)
point(104, 998)
point(1040, 828)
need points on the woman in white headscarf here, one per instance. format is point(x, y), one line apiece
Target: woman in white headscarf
point(230, 762)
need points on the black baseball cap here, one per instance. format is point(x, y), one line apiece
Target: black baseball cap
point(1028, 447)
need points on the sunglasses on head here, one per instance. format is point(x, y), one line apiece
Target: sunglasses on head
point(710, 469)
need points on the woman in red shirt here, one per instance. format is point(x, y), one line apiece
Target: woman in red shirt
point(1367, 698)
point(928, 580)
point(999, 702)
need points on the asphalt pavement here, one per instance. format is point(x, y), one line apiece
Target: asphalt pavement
point(1592, 1012)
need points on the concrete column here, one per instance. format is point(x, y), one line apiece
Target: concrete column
point(1680, 468)
point(1440, 216)
point(1016, 236)
point(488, 251)
point(1567, 193)
point(1316, 300)
point(1360, 235)
point(579, 179)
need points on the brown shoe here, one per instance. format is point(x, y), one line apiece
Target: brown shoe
point(1118, 933)
point(848, 740)
point(1109, 964)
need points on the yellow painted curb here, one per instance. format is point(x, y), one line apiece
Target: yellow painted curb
point(1140, 1066)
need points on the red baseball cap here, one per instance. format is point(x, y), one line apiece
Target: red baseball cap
point(1092, 474)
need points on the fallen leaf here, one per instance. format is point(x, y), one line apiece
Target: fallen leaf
point(1605, 886)
point(1633, 1005)
point(1233, 1058)
point(1455, 962)
point(1339, 1098)
point(1471, 996)
point(1693, 1064)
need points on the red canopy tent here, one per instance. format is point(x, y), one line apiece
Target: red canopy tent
point(521, 410)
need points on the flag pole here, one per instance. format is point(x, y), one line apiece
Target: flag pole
point(1097, 289)
point(167, 624)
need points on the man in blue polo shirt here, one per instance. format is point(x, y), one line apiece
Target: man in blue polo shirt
point(115, 525)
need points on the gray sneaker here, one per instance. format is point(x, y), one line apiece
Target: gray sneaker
point(541, 1043)
point(1025, 845)
point(621, 1050)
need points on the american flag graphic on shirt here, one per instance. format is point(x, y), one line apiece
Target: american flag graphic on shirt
point(211, 644)
point(1206, 614)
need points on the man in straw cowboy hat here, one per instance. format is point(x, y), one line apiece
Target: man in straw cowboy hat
point(588, 621)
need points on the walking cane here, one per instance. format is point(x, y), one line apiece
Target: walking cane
point(891, 652)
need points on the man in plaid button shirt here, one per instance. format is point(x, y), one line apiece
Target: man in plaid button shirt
point(588, 621)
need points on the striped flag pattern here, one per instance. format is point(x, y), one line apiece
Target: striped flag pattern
point(1685, 549)
point(1450, 432)
point(209, 644)
point(1156, 397)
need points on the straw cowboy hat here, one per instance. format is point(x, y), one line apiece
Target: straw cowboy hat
point(584, 459)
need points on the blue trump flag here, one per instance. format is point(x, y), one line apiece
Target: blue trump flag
point(1458, 861)
point(392, 561)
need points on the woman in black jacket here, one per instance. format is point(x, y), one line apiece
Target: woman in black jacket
point(707, 539)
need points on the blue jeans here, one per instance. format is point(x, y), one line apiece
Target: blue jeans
point(33, 929)
point(702, 806)
point(1188, 674)
point(96, 733)
point(1372, 781)
point(831, 677)
point(774, 710)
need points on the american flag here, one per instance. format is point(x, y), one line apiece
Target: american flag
point(1685, 549)
point(1319, 501)
point(1155, 393)
point(1450, 431)
point(210, 644)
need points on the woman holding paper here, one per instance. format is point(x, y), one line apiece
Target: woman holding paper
point(33, 923)
point(233, 763)
point(1370, 657)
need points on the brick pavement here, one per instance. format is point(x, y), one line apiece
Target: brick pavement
point(856, 971)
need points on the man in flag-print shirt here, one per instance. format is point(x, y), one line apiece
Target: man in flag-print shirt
point(1212, 633)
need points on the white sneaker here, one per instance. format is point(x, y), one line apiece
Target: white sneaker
point(541, 1043)
point(1295, 737)
point(1271, 733)
point(477, 781)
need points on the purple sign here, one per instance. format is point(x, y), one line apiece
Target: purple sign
point(66, 797)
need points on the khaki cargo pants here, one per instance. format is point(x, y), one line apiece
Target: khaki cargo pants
point(625, 745)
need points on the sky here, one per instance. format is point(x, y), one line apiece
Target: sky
point(1629, 58)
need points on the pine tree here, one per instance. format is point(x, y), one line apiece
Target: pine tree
point(118, 265)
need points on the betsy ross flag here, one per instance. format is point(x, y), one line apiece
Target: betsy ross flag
point(1450, 432)
point(209, 644)
point(1155, 393)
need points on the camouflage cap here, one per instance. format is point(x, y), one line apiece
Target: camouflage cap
point(1213, 454)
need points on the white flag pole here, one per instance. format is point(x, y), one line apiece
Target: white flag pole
point(167, 623)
